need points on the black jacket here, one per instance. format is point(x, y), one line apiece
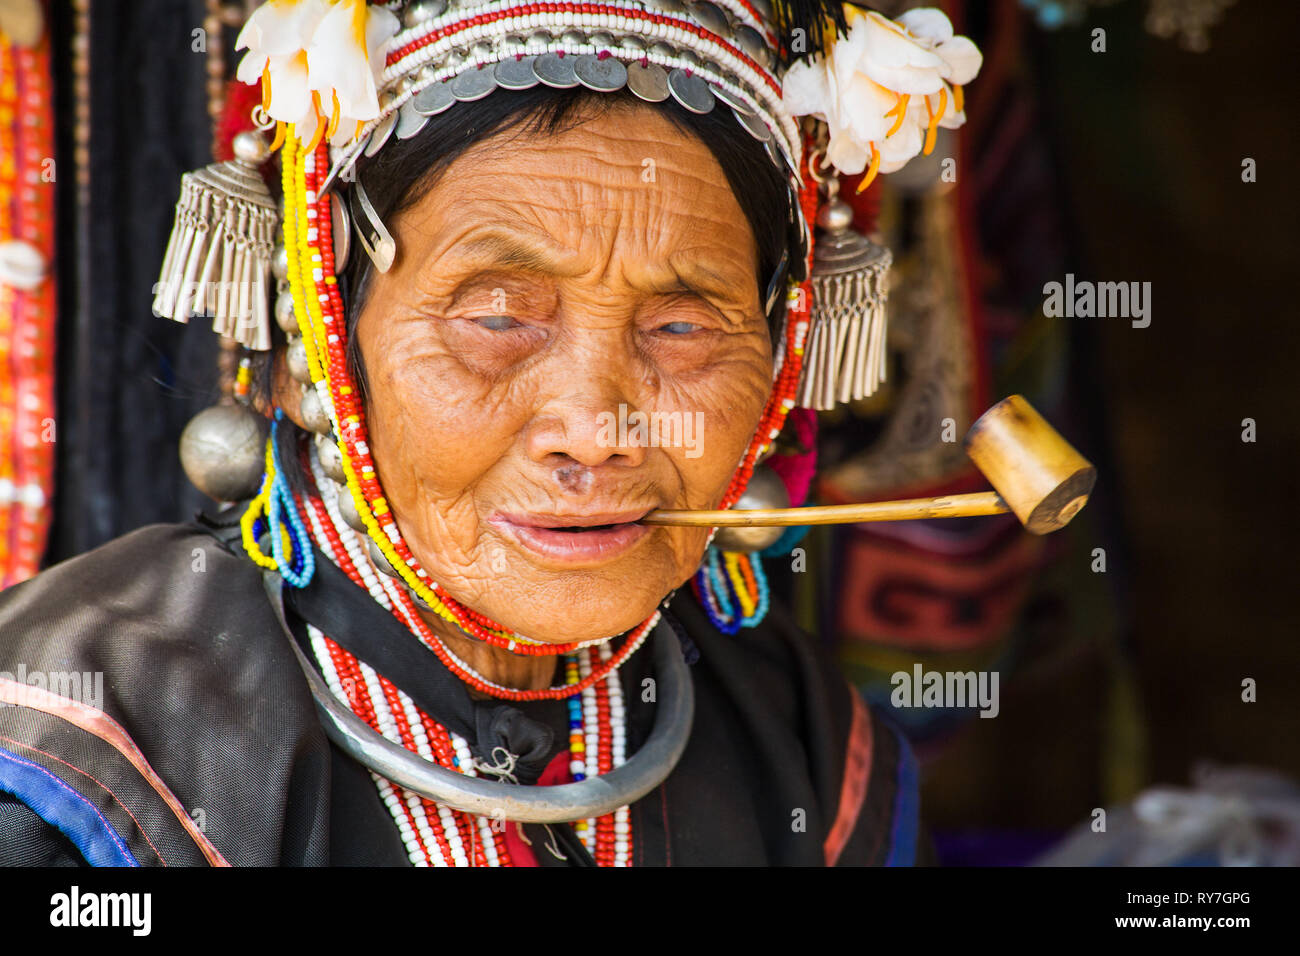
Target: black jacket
point(217, 752)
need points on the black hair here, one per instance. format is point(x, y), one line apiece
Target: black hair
point(403, 171)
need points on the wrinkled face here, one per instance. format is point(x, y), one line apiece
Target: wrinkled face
point(570, 337)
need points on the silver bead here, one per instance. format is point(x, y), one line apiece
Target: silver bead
point(331, 461)
point(312, 412)
point(418, 601)
point(765, 490)
point(280, 262)
point(295, 360)
point(251, 147)
point(422, 11)
point(573, 38)
point(348, 511)
point(835, 216)
point(378, 560)
point(223, 451)
point(285, 317)
point(602, 40)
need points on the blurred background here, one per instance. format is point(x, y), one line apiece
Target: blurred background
point(1123, 141)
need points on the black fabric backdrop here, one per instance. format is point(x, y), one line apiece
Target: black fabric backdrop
point(127, 380)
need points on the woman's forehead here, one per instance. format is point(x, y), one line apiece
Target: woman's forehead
point(622, 183)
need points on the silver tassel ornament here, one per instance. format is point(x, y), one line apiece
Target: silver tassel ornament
point(844, 358)
point(218, 261)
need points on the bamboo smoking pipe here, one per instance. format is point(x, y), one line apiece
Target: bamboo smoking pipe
point(1034, 472)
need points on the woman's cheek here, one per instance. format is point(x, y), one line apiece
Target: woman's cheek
point(441, 425)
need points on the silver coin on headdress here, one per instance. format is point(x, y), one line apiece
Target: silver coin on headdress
point(754, 45)
point(757, 128)
point(602, 75)
point(409, 122)
point(379, 135)
point(473, 85)
point(733, 100)
point(434, 99)
point(555, 70)
point(709, 17)
point(690, 91)
point(516, 74)
point(649, 82)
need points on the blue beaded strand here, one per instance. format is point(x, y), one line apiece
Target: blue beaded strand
point(713, 587)
point(721, 603)
point(300, 566)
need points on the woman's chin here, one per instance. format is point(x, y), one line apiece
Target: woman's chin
point(563, 622)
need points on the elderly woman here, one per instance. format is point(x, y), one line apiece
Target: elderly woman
point(563, 229)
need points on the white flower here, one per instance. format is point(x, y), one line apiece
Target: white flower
point(319, 62)
point(884, 88)
point(887, 53)
point(932, 30)
point(277, 36)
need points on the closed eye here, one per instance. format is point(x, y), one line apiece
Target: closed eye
point(497, 323)
point(679, 328)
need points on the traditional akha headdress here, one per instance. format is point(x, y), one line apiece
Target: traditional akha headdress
point(828, 89)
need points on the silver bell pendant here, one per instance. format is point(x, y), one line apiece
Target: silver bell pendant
point(845, 356)
point(223, 451)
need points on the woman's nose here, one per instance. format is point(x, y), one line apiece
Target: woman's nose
point(587, 424)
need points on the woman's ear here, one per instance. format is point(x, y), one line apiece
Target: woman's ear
point(285, 392)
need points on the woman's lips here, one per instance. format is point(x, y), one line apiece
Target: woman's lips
point(576, 539)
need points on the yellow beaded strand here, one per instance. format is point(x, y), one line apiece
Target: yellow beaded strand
point(731, 561)
point(294, 237)
point(256, 508)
